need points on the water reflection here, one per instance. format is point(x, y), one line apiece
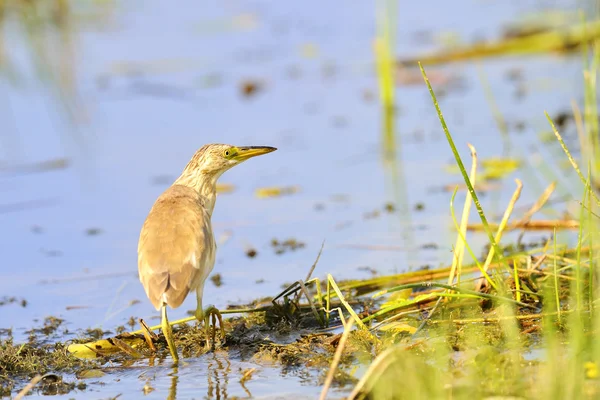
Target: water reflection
point(208, 376)
point(219, 368)
point(174, 379)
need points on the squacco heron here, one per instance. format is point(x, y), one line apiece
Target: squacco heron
point(176, 250)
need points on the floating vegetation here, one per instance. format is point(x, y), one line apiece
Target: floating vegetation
point(547, 225)
point(557, 40)
point(388, 208)
point(493, 169)
point(265, 192)
point(286, 245)
point(225, 188)
point(217, 280)
point(5, 300)
point(51, 325)
point(43, 166)
point(124, 343)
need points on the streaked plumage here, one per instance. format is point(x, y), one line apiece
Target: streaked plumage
point(176, 250)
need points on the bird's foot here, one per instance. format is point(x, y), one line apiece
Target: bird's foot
point(211, 312)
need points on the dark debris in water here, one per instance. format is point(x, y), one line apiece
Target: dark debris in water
point(217, 280)
point(96, 333)
point(371, 214)
point(284, 246)
point(389, 207)
point(51, 325)
point(93, 231)
point(368, 269)
point(251, 253)
point(9, 300)
point(250, 87)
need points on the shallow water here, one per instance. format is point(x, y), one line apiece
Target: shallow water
point(210, 376)
point(156, 82)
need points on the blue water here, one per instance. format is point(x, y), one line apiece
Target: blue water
point(155, 82)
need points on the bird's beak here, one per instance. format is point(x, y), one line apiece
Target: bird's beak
point(247, 152)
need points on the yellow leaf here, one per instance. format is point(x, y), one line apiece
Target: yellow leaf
point(591, 370)
point(501, 163)
point(398, 327)
point(401, 302)
point(225, 188)
point(104, 346)
point(494, 168)
point(262, 193)
point(309, 50)
point(92, 350)
point(400, 294)
point(90, 373)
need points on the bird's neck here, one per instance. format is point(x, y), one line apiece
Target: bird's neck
point(204, 184)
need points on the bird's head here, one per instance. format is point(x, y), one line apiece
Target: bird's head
point(214, 159)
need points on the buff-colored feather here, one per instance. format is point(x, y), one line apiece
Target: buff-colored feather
point(176, 250)
point(175, 241)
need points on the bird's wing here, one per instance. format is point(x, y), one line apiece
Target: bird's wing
point(173, 249)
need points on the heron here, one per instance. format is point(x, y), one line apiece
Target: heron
point(176, 249)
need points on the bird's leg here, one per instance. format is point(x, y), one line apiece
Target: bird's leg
point(203, 315)
point(166, 328)
point(199, 314)
point(216, 315)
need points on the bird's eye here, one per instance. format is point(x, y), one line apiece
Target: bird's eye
point(229, 153)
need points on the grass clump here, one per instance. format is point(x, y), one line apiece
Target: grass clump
point(19, 363)
point(526, 331)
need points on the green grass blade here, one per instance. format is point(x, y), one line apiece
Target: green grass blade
point(463, 171)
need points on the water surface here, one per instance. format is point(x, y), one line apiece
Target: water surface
point(156, 82)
